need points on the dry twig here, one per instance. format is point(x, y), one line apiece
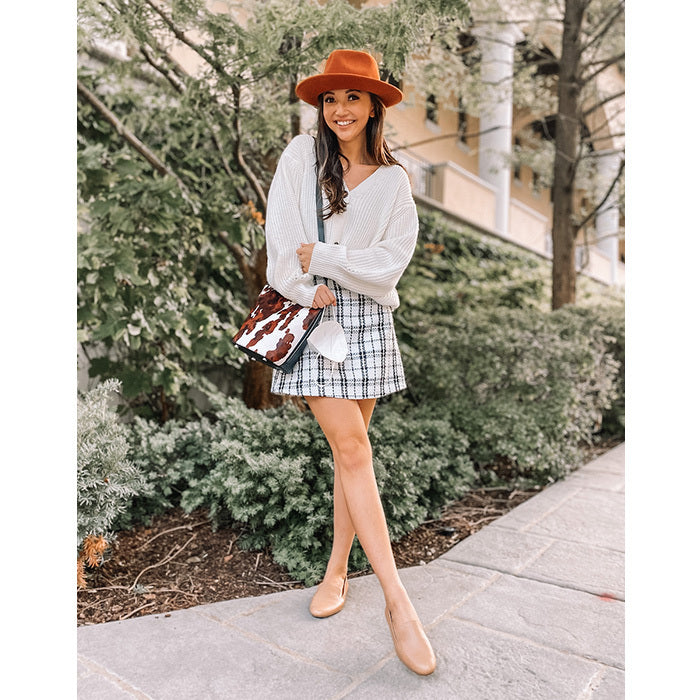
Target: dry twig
point(172, 529)
point(124, 617)
point(171, 555)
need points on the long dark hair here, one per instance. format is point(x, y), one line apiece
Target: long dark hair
point(328, 156)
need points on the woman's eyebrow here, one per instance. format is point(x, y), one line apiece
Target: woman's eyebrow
point(330, 92)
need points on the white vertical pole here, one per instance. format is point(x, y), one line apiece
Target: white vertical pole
point(607, 220)
point(497, 52)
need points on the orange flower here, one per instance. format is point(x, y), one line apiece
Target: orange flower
point(255, 214)
point(435, 248)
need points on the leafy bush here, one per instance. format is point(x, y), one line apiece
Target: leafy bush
point(526, 387)
point(106, 479)
point(455, 267)
point(173, 457)
point(272, 472)
point(503, 395)
point(610, 322)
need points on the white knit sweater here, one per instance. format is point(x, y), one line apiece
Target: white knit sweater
point(367, 247)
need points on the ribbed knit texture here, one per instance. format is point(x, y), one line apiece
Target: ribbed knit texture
point(367, 248)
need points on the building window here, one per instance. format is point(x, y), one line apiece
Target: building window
point(517, 168)
point(462, 122)
point(431, 109)
point(392, 80)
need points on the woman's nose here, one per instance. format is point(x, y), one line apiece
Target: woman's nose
point(340, 108)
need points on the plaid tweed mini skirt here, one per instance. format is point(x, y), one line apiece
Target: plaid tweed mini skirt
point(373, 366)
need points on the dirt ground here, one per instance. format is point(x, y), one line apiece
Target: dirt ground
point(179, 561)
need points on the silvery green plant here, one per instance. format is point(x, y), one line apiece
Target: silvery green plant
point(106, 479)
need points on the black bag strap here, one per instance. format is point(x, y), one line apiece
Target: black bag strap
point(319, 209)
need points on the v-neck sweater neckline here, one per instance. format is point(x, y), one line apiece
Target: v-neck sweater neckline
point(362, 182)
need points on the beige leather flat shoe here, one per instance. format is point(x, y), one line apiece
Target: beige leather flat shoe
point(328, 599)
point(412, 646)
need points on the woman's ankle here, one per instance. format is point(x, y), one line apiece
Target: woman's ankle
point(399, 603)
point(335, 572)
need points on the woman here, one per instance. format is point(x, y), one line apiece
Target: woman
point(371, 228)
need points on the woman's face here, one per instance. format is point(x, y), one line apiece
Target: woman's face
point(346, 113)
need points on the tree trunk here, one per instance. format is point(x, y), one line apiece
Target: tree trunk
point(566, 143)
point(256, 383)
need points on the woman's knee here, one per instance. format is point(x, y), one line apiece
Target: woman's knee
point(352, 452)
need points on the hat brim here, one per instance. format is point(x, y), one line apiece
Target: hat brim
point(310, 88)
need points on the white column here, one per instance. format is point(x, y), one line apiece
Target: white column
point(497, 48)
point(607, 220)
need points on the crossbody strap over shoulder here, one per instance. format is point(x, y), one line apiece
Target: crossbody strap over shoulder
point(319, 210)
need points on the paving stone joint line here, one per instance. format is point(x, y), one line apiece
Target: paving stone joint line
point(113, 678)
point(524, 577)
point(535, 643)
point(276, 647)
point(549, 512)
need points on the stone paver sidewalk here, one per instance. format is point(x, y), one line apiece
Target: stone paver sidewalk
point(531, 606)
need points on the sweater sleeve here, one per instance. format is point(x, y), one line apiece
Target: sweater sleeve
point(375, 270)
point(284, 229)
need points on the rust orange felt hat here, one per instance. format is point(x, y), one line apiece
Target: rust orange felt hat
point(348, 69)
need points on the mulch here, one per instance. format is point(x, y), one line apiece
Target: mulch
point(179, 561)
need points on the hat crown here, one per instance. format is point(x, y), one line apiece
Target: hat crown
point(358, 63)
point(348, 69)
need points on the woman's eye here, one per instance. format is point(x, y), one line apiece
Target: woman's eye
point(329, 99)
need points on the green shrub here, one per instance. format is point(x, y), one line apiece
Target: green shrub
point(106, 479)
point(610, 320)
point(526, 387)
point(503, 396)
point(455, 267)
point(272, 472)
point(173, 458)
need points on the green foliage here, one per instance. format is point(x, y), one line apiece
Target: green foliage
point(608, 323)
point(159, 292)
point(526, 387)
point(173, 457)
point(155, 300)
point(503, 396)
point(106, 479)
point(455, 267)
point(272, 473)
point(503, 389)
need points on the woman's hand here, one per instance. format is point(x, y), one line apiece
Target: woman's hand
point(323, 297)
point(304, 253)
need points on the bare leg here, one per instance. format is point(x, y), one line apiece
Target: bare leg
point(343, 530)
point(344, 425)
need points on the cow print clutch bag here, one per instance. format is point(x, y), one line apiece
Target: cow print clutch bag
point(276, 331)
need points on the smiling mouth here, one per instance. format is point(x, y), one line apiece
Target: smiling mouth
point(345, 122)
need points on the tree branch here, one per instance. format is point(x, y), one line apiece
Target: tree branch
point(168, 73)
point(603, 138)
point(604, 199)
point(603, 26)
point(601, 154)
point(199, 50)
point(235, 89)
point(447, 136)
point(605, 64)
point(250, 175)
point(598, 105)
point(138, 145)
